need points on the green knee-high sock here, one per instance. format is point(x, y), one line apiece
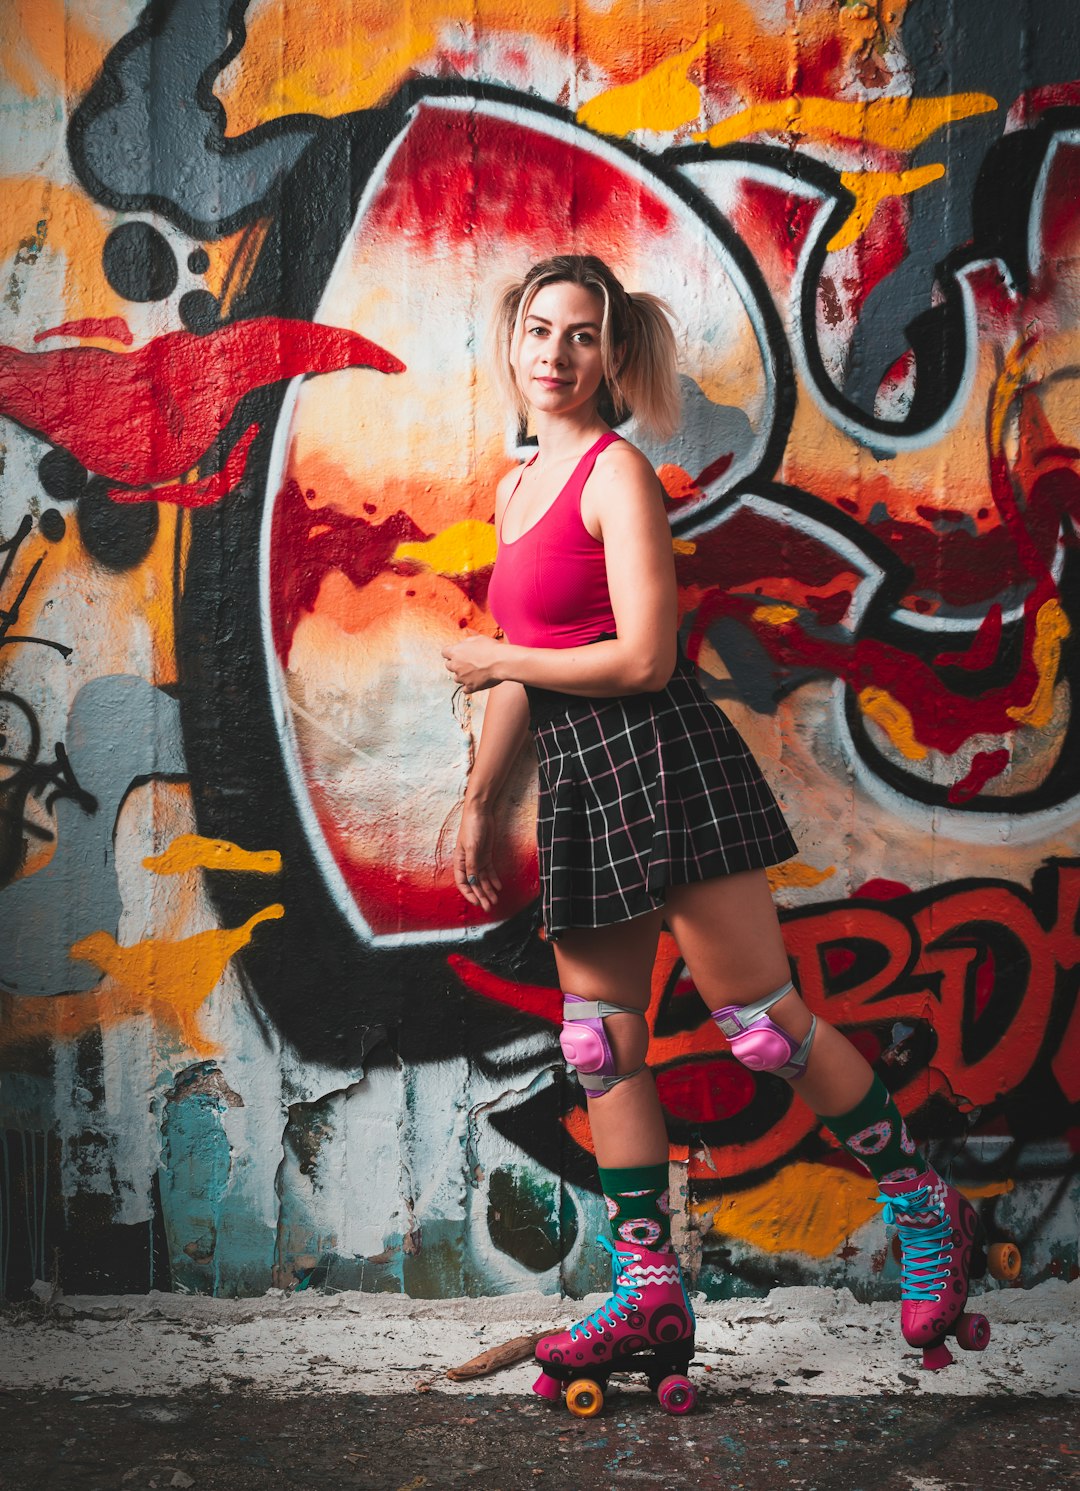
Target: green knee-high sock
point(875, 1134)
point(637, 1202)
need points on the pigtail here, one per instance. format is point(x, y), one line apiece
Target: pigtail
point(647, 382)
point(503, 329)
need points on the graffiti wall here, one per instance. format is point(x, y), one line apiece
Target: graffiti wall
point(250, 1034)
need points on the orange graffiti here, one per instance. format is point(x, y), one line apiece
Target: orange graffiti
point(898, 124)
point(870, 189)
point(191, 969)
point(301, 58)
point(662, 100)
point(797, 875)
point(51, 49)
point(794, 1212)
point(1051, 630)
point(193, 852)
point(894, 718)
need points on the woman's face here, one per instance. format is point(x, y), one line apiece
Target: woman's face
point(557, 359)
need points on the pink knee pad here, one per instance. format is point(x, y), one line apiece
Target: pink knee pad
point(585, 1044)
point(759, 1043)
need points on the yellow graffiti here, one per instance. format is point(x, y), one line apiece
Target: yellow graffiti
point(894, 718)
point(797, 876)
point(891, 123)
point(457, 550)
point(870, 189)
point(304, 56)
point(662, 100)
point(174, 977)
point(193, 852)
point(795, 1213)
point(684, 545)
point(774, 615)
point(1051, 629)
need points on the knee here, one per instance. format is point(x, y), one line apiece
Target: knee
point(762, 1045)
point(602, 1060)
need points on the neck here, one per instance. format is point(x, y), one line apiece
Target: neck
point(565, 437)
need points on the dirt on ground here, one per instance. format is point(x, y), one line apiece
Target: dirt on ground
point(432, 1441)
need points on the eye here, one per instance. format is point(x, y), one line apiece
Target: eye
point(536, 331)
point(585, 337)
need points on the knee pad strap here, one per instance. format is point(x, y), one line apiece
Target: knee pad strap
point(585, 1044)
point(759, 1043)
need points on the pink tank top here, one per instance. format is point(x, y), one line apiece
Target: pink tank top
point(549, 587)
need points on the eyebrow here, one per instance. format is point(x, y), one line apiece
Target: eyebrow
point(576, 326)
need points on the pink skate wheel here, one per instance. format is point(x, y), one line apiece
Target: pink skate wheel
point(547, 1387)
point(936, 1357)
point(676, 1394)
point(973, 1332)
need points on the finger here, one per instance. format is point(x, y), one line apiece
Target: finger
point(489, 893)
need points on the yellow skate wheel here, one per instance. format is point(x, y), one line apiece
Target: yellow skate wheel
point(584, 1398)
point(1003, 1261)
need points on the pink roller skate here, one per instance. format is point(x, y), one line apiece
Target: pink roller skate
point(937, 1228)
point(646, 1326)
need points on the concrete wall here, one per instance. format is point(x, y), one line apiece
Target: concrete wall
point(250, 1035)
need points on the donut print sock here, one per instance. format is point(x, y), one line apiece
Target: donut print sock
point(637, 1203)
point(874, 1133)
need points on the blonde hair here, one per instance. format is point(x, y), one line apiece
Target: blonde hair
point(637, 344)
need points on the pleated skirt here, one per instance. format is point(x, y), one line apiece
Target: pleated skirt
point(641, 792)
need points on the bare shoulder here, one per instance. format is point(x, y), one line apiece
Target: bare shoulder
point(623, 474)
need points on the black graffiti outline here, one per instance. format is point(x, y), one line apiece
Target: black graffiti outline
point(10, 614)
point(49, 781)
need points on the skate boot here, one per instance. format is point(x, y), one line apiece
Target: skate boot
point(646, 1326)
point(937, 1229)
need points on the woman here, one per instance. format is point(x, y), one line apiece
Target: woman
point(651, 811)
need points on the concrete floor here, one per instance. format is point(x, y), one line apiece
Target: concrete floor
point(239, 1441)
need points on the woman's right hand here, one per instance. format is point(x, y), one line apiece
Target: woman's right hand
point(474, 869)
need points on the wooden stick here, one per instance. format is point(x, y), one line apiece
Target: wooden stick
point(496, 1358)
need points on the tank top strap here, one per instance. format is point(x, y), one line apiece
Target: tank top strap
point(583, 470)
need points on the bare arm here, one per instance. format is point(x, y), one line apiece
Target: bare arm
point(506, 724)
point(624, 500)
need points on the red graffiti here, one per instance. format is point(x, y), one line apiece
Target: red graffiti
point(985, 766)
point(310, 539)
point(113, 327)
point(430, 193)
point(203, 493)
point(983, 650)
point(959, 961)
point(149, 416)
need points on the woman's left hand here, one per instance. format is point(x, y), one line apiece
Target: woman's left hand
point(471, 662)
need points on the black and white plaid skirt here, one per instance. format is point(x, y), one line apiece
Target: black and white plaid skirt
point(640, 792)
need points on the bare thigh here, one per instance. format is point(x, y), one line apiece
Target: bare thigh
point(614, 962)
point(728, 932)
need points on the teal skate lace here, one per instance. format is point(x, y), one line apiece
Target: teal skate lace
point(622, 1293)
point(922, 1249)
